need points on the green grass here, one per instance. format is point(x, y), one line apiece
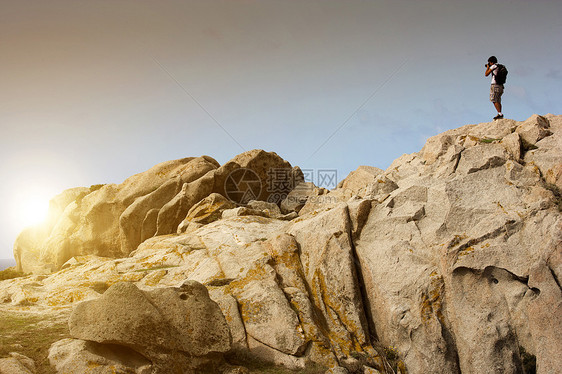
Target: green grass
point(31, 335)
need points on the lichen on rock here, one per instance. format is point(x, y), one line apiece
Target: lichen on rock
point(451, 257)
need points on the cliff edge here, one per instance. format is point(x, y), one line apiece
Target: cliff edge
point(448, 261)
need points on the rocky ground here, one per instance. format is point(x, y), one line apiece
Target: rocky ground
point(448, 261)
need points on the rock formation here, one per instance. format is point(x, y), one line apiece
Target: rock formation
point(165, 330)
point(112, 220)
point(450, 260)
point(17, 364)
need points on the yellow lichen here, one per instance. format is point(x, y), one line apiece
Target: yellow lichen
point(466, 251)
point(347, 342)
point(132, 277)
point(431, 303)
point(155, 277)
point(66, 296)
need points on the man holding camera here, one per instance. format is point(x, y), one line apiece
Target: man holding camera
point(496, 90)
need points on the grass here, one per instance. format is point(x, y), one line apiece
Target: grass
point(393, 359)
point(255, 365)
point(32, 336)
point(10, 273)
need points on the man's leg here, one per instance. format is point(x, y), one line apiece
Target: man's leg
point(496, 92)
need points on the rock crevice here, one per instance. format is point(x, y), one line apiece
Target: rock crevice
point(450, 261)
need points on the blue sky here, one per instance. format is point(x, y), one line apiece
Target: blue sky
point(95, 91)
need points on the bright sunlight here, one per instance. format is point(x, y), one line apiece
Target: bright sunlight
point(31, 208)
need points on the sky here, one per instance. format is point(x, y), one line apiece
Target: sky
point(94, 91)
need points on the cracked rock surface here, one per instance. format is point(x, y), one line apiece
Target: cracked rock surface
point(451, 257)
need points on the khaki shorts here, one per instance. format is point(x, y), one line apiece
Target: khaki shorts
point(496, 91)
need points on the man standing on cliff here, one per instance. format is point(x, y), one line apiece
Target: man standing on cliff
point(496, 89)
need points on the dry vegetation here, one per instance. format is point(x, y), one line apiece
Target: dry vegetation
point(31, 334)
point(10, 273)
point(257, 366)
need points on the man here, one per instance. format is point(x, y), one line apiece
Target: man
point(496, 90)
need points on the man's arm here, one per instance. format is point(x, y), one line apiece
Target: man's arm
point(488, 69)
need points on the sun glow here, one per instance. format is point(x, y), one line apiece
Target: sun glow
point(31, 209)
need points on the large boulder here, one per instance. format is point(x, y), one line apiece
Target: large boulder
point(263, 176)
point(112, 220)
point(252, 175)
point(207, 210)
point(358, 181)
point(533, 130)
point(331, 271)
point(17, 363)
point(547, 156)
point(300, 195)
point(153, 321)
point(81, 356)
point(456, 257)
point(161, 326)
point(89, 224)
point(267, 314)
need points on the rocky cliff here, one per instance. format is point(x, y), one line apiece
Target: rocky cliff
point(448, 261)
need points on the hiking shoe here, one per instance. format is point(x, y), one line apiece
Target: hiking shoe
point(499, 116)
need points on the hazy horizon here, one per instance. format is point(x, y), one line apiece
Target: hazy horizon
point(6, 263)
point(94, 92)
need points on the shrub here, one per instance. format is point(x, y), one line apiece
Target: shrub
point(11, 273)
point(392, 357)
